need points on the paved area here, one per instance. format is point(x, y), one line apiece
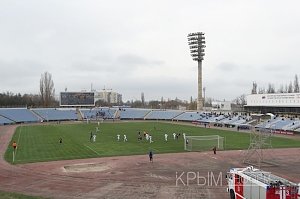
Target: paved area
point(179, 175)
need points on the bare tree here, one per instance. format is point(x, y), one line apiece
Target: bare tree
point(254, 88)
point(296, 84)
point(281, 89)
point(262, 90)
point(290, 88)
point(241, 100)
point(286, 89)
point(47, 90)
point(271, 88)
point(143, 99)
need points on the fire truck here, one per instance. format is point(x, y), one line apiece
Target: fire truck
point(251, 183)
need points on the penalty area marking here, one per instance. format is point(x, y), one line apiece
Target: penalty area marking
point(92, 150)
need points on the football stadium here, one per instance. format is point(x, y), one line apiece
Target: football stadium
point(82, 152)
point(78, 143)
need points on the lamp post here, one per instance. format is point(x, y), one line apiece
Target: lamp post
point(204, 97)
point(196, 43)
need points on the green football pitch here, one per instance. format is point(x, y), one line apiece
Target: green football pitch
point(38, 143)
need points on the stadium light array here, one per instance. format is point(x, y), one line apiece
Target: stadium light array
point(196, 43)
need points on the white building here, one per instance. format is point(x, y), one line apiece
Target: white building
point(221, 106)
point(108, 96)
point(273, 103)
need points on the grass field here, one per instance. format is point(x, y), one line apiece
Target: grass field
point(41, 142)
point(7, 195)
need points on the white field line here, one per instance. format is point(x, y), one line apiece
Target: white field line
point(56, 158)
point(92, 150)
point(18, 142)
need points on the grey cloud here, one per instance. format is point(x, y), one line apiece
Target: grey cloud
point(135, 60)
point(166, 87)
point(21, 69)
point(106, 64)
point(227, 67)
point(138, 48)
point(275, 68)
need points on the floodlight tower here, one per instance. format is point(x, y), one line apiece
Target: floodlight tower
point(196, 43)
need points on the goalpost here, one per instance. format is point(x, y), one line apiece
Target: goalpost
point(203, 143)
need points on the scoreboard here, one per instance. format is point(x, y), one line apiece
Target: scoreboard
point(77, 99)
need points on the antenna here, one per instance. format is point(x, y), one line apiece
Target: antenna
point(260, 143)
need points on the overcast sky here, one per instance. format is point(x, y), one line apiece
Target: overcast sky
point(136, 46)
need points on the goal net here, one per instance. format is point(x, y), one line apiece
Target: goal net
point(203, 143)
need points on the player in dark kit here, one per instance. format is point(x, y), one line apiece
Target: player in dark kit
point(151, 156)
point(91, 136)
point(215, 150)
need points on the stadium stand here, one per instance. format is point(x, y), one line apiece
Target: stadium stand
point(98, 113)
point(4, 121)
point(24, 115)
point(19, 115)
point(133, 113)
point(268, 124)
point(162, 114)
point(292, 126)
point(231, 120)
point(53, 114)
point(282, 123)
point(211, 118)
point(189, 116)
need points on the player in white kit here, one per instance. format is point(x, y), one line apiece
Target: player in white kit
point(150, 138)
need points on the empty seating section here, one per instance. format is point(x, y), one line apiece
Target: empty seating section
point(282, 123)
point(230, 120)
point(162, 114)
point(189, 116)
point(23, 115)
point(211, 117)
point(4, 120)
point(97, 113)
point(207, 119)
point(292, 126)
point(133, 113)
point(19, 115)
point(53, 114)
point(239, 121)
point(271, 123)
point(224, 119)
point(219, 118)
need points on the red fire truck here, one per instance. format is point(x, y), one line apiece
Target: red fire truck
point(251, 183)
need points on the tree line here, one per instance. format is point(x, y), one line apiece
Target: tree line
point(158, 104)
point(288, 88)
point(45, 98)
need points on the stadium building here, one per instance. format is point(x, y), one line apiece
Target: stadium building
point(284, 103)
point(108, 96)
point(221, 106)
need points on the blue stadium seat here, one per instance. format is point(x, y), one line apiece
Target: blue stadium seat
point(19, 115)
point(53, 114)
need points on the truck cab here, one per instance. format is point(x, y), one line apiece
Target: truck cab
point(251, 183)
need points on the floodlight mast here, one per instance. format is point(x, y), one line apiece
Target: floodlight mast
point(196, 42)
